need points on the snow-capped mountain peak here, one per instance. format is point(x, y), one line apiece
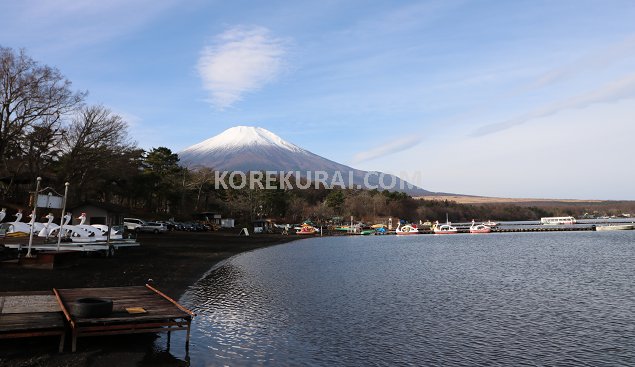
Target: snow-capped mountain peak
point(247, 148)
point(243, 136)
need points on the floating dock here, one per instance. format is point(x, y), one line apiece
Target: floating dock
point(137, 309)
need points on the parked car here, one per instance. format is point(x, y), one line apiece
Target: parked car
point(178, 226)
point(153, 227)
point(132, 224)
point(171, 226)
point(190, 227)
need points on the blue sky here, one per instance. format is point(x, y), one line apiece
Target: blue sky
point(496, 98)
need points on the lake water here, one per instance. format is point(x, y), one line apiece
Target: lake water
point(564, 298)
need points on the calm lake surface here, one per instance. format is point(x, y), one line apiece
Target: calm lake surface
point(564, 298)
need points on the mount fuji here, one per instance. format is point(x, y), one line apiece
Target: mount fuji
point(247, 148)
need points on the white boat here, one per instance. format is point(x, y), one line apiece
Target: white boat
point(479, 228)
point(490, 223)
point(557, 220)
point(17, 225)
point(49, 227)
point(446, 228)
point(614, 227)
point(406, 229)
point(76, 233)
point(114, 233)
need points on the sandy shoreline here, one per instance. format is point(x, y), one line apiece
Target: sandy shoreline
point(173, 261)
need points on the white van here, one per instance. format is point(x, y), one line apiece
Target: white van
point(132, 224)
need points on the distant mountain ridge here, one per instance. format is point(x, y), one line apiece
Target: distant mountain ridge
point(247, 148)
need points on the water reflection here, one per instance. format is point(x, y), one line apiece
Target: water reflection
point(504, 299)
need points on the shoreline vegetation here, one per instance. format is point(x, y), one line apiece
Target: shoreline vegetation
point(173, 261)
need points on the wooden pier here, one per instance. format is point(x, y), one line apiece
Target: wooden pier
point(544, 229)
point(159, 313)
point(137, 309)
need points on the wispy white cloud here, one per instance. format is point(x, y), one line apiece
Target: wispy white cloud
point(394, 146)
point(592, 61)
point(622, 88)
point(241, 60)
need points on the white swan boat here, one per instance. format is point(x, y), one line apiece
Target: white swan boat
point(446, 228)
point(95, 233)
point(479, 228)
point(17, 226)
point(406, 229)
point(79, 233)
point(37, 226)
point(49, 226)
point(114, 234)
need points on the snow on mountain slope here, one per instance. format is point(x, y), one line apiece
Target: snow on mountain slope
point(242, 136)
point(246, 148)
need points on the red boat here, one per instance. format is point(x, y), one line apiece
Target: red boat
point(307, 229)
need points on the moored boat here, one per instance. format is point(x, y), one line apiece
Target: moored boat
point(614, 227)
point(307, 230)
point(479, 228)
point(446, 228)
point(406, 229)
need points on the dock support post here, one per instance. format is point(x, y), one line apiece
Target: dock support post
point(187, 337)
point(74, 343)
point(62, 339)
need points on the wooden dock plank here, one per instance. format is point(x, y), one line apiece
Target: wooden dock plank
point(31, 321)
point(124, 297)
point(28, 303)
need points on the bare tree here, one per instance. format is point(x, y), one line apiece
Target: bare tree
point(200, 180)
point(93, 137)
point(31, 95)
